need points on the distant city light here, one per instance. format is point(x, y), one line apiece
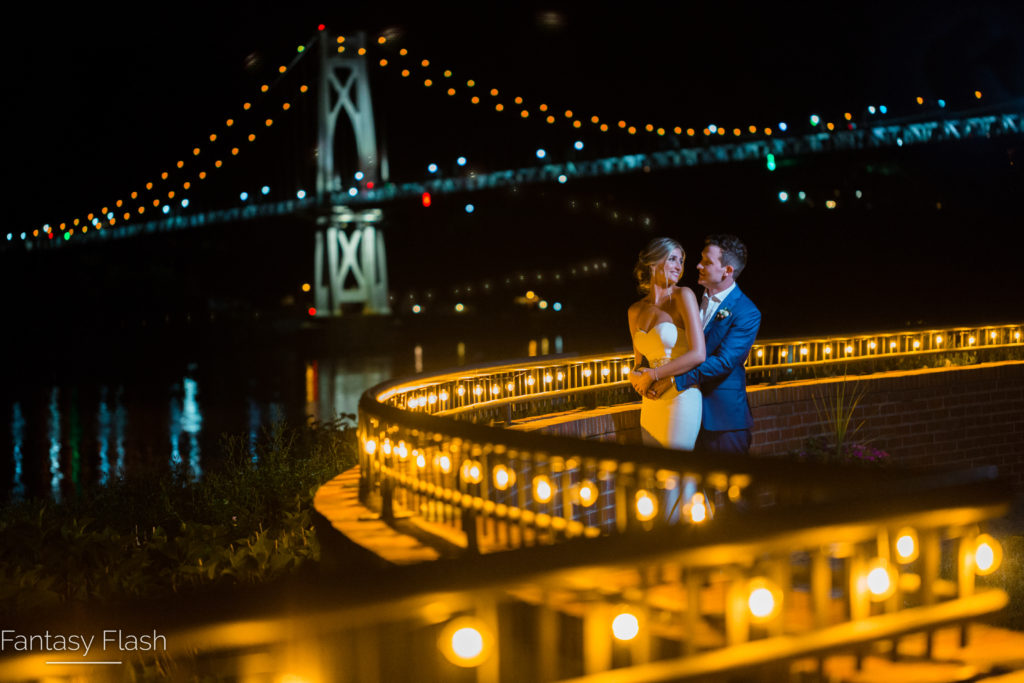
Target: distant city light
point(359, 175)
point(942, 104)
point(783, 196)
point(265, 189)
point(470, 208)
point(301, 194)
point(783, 126)
point(9, 237)
point(713, 128)
point(166, 209)
point(802, 195)
point(432, 168)
point(815, 119)
point(578, 144)
point(459, 308)
point(859, 194)
point(557, 305)
point(461, 161)
point(352, 192)
point(831, 203)
point(416, 308)
point(562, 178)
point(871, 109)
point(244, 196)
point(541, 154)
point(882, 109)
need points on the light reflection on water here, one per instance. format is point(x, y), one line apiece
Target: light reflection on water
point(68, 435)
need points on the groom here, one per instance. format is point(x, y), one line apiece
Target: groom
point(730, 322)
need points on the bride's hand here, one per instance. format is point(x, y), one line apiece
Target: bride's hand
point(641, 380)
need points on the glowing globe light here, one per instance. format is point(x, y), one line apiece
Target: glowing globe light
point(461, 161)
point(578, 144)
point(416, 308)
point(301, 194)
point(467, 643)
point(988, 554)
point(761, 603)
point(815, 119)
point(166, 209)
point(265, 189)
point(906, 545)
point(432, 168)
point(802, 195)
point(625, 626)
point(783, 126)
point(352, 192)
point(713, 128)
point(871, 109)
point(470, 208)
point(783, 196)
point(942, 104)
point(244, 196)
point(542, 489)
point(698, 508)
point(503, 477)
point(359, 175)
point(471, 470)
point(882, 109)
point(541, 153)
point(830, 204)
point(557, 306)
point(562, 178)
point(646, 506)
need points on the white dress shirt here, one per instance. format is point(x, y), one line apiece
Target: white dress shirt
point(709, 304)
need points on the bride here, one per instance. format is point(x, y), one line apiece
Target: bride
point(666, 331)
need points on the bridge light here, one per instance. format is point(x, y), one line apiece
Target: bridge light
point(470, 208)
point(562, 178)
point(459, 308)
point(830, 204)
point(541, 153)
point(557, 306)
point(542, 489)
point(906, 545)
point(166, 209)
point(359, 175)
point(432, 168)
point(425, 199)
point(416, 309)
point(301, 194)
point(244, 196)
point(942, 104)
point(443, 463)
point(783, 197)
point(770, 163)
point(764, 599)
point(578, 144)
point(352, 192)
point(466, 642)
point(265, 189)
point(783, 126)
point(471, 471)
point(882, 109)
point(815, 119)
point(461, 161)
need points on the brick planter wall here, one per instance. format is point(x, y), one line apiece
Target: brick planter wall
point(949, 417)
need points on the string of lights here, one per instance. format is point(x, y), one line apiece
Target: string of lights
point(173, 187)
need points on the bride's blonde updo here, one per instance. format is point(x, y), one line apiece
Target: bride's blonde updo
point(655, 252)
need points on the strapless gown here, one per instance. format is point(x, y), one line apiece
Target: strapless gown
point(673, 419)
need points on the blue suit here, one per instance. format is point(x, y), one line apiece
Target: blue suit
point(722, 378)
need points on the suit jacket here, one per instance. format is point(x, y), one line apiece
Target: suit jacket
point(721, 377)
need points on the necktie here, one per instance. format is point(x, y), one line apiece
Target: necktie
point(704, 303)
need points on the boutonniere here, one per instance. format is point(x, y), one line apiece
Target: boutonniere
point(722, 314)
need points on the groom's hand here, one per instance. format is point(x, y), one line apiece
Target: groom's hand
point(660, 387)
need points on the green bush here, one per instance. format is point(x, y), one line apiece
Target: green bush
point(153, 532)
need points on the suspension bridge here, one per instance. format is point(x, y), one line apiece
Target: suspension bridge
point(330, 75)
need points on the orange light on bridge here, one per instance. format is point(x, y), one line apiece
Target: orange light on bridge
point(247, 106)
point(425, 63)
point(230, 122)
point(428, 82)
point(181, 164)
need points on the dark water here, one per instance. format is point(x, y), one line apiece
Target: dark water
point(76, 426)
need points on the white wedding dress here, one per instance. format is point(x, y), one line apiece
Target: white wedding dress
point(673, 419)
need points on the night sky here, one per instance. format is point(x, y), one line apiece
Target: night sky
point(103, 101)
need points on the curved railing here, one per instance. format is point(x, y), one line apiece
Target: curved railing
point(892, 550)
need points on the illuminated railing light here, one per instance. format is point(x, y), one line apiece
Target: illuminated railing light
point(879, 579)
point(587, 372)
point(906, 545)
point(421, 460)
point(503, 477)
point(370, 446)
point(698, 510)
point(828, 350)
point(917, 344)
point(472, 472)
point(988, 555)
point(443, 463)
point(764, 600)
point(466, 642)
point(542, 489)
point(625, 626)
point(646, 505)
point(585, 493)
point(547, 378)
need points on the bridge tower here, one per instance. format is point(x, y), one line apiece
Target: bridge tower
point(349, 247)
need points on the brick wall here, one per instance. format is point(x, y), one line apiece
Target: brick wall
point(948, 417)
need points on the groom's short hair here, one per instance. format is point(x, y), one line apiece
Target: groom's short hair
point(734, 252)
